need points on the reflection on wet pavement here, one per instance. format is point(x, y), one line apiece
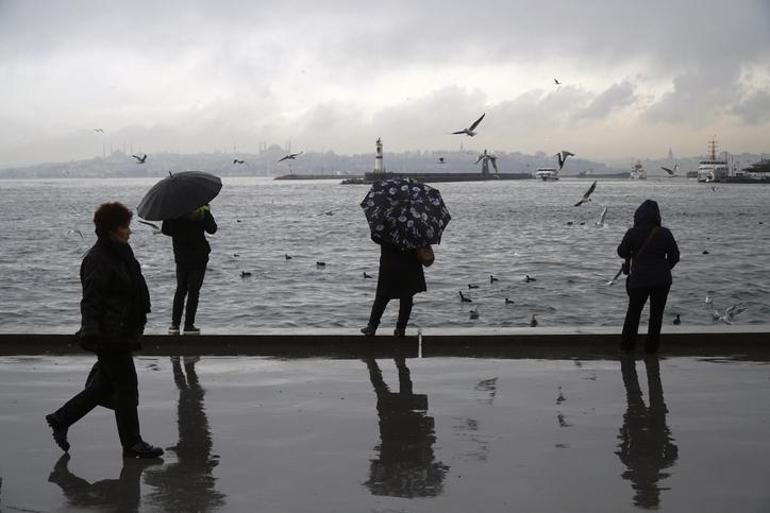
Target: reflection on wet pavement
point(188, 484)
point(646, 446)
point(406, 466)
point(397, 434)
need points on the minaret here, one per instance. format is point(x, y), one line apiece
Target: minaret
point(378, 164)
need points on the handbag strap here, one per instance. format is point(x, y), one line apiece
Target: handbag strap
point(647, 241)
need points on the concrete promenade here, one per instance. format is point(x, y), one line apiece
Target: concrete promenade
point(476, 342)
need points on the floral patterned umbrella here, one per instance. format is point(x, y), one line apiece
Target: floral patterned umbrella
point(405, 213)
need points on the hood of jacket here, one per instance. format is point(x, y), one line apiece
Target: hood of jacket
point(648, 214)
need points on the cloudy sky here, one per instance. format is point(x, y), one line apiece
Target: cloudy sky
point(637, 77)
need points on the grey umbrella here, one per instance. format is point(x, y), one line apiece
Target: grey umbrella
point(178, 194)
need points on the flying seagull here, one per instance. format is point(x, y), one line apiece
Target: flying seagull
point(140, 160)
point(470, 130)
point(101, 130)
point(291, 156)
point(556, 82)
point(562, 156)
point(586, 196)
point(151, 225)
point(600, 222)
point(671, 172)
point(236, 161)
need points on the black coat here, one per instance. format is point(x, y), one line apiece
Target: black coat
point(190, 244)
point(115, 299)
point(400, 273)
point(650, 266)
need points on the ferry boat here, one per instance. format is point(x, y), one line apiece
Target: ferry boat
point(547, 174)
point(638, 172)
point(713, 169)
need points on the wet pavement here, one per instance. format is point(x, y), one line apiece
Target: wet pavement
point(398, 435)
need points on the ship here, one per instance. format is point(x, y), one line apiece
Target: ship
point(712, 169)
point(547, 174)
point(638, 172)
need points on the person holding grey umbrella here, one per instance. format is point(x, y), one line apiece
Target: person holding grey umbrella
point(405, 218)
point(191, 254)
point(181, 201)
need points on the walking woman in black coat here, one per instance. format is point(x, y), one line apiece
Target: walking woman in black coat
point(400, 277)
point(191, 253)
point(652, 252)
point(113, 314)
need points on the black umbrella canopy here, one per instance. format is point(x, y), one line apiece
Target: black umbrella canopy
point(405, 213)
point(178, 194)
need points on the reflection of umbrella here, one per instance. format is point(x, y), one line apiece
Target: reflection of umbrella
point(178, 194)
point(405, 213)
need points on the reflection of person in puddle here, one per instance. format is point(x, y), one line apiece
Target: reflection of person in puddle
point(406, 466)
point(122, 494)
point(188, 484)
point(646, 446)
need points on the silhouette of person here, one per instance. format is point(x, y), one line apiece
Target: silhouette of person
point(122, 494)
point(188, 484)
point(405, 465)
point(645, 446)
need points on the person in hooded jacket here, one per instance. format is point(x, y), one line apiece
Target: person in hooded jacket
point(400, 277)
point(113, 315)
point(651, 251)
point(191, 253)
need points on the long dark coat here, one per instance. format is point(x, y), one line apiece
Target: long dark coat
point(115, 299)
point(400, 273)
point(650, 267)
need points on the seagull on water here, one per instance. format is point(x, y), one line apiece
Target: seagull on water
point(245, 274)
point(533, 321)
point(367, 275)
point(140, 160)
point(464, 299)
point(492, 279)
point(562, 157)
point(470, 130)
point(587, 195)
point(474, 312)
point(508, 301)
point(291, 156)
point(287, 256)
point(528, 278)
point(677, 321)
point(729, 313)
point(472, 286)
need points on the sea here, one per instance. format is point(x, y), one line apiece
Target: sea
point(507, 229)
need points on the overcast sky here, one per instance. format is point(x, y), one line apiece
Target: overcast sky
point(637, 77)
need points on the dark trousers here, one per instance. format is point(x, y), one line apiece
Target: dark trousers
point(637, 297)
point(404, 310)
point(114, 380)
point(189, 279)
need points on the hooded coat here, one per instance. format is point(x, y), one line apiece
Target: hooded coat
point(650, 266)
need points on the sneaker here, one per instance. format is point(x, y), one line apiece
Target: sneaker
point(59, 432)
point(173, 329)
point(142, 450)
point(369, 330)
point(191, 330)
point(399, 333)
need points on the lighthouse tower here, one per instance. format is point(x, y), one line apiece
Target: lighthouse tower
point(378, 164)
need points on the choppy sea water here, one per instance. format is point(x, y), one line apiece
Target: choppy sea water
point(508, 229)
